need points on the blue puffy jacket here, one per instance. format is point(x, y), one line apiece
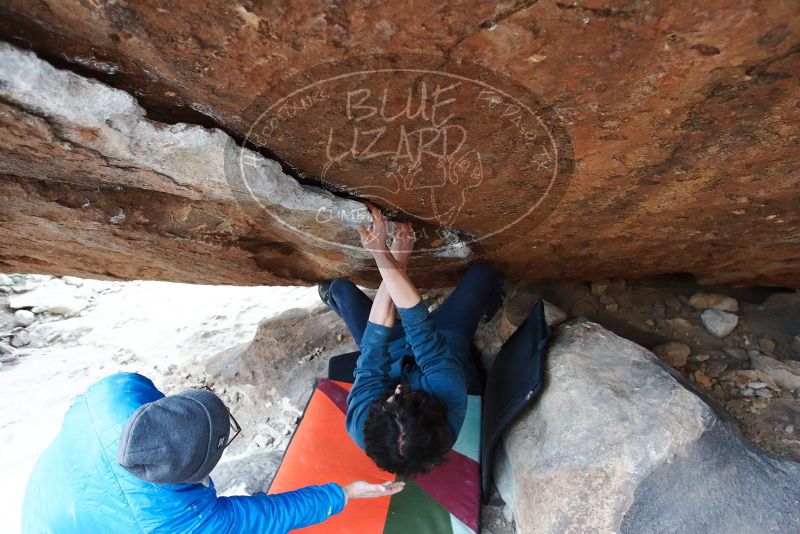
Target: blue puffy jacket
point(78, 487)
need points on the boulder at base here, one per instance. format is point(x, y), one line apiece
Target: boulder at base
point(618, 442)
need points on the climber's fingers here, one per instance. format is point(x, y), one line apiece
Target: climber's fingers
point(378, 219)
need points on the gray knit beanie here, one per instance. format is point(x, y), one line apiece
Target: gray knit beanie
point(175, 440)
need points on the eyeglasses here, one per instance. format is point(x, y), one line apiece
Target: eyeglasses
point(234, 424)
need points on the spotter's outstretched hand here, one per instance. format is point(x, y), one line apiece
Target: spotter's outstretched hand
point(365, 490)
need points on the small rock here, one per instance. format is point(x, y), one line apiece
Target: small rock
point(786, 374)
point(795, 344)
point(747, 392)
point(7, 353)
point(788, 429)
point(716, 368)
point(756, 385)
point(68, 307)
point(702, 380)
point(21, 287)
point(764, 393)
point(748, 373)
point(553, 314)
point(736, 353)
point(60, 299)
point(699, 358)
point(681, 325)
point(675, 354)
point(749, 342)
point(24, 317)
point(516, 308)
point(606, 300)
point(719, 323)
point(650, 322)
point(764, 377)
point(599, 287)
point(53, 337)
point(741, 378)
point(734, 404)
point(618, 284)
point(738, 381)
point(263, 441)
point(6, 280)
point(713, 301)
point(21, 339)
point(673, 304)
point(766, 345)
point(613, 308)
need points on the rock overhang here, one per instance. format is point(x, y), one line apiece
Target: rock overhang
point(679, 132)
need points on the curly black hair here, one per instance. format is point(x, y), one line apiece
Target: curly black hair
point(409, 434)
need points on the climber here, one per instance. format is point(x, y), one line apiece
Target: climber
point(129, 459)
point(409, 397)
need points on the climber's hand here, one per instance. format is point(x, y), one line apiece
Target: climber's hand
point(403, 243)
point(365, 490)
point(374, 238)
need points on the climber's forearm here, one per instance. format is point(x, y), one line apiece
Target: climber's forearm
point(379, 314)
point(399, 286)
point(382, 311)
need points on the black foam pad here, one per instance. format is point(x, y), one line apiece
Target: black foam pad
point(513, 381)
point(341, 367)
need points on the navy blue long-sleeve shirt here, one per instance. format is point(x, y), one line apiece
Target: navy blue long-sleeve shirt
point(438, 371)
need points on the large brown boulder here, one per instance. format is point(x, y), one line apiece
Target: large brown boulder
point(585, 139)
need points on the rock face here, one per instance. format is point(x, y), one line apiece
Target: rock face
point(289, 352)
point(608, 138)
point(150, 200)
point(616, 443)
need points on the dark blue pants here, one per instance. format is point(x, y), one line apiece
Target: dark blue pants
point(478, 292)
